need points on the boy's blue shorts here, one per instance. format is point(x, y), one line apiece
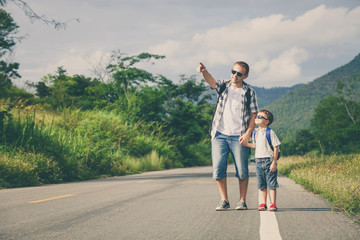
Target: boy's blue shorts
point(265, 178)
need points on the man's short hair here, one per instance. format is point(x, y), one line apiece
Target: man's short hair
point(244, 65)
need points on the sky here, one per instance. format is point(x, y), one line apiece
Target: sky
point(285, 42)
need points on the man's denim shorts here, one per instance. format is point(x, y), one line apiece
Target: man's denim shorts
point(221, 145)
point(265, 178)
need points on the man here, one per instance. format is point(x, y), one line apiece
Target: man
point(232, 125)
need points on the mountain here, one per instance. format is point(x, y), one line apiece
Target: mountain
point(265, 96)
point(294, 110)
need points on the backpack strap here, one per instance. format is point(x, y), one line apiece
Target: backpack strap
point(221, 90)
point(268, 130)
point(248, 99)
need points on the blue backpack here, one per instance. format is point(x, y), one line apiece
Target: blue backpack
point(268, 130)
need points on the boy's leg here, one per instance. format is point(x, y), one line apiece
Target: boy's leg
point(273, 196)
point(262, 186)
point(263, 195)
point(272, 183)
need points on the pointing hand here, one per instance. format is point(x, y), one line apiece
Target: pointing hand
point(200, 68)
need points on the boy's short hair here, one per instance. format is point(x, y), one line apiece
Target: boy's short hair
point(269, 115)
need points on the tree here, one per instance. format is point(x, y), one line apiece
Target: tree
point(305, 141)
point(188, 112)
point(8, 71)
point(34, 16)
point(8, 29)
point(126, 77)
point(62, 90)
point(349, 91)
point(191, 90)
point(334, 128)
point(147, 104)
point(42, 90)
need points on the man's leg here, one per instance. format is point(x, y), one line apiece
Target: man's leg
point(243, 186)
point(220, 152)
point(221, 183)
point(241, 155)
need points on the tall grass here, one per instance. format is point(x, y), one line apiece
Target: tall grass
point(150, 162)
point(336, 177)
point(76, 145)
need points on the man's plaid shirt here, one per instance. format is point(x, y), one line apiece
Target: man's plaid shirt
point(243, 114)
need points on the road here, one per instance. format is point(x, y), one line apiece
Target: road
point(171, 204)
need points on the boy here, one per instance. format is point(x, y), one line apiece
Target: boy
point(265, 158)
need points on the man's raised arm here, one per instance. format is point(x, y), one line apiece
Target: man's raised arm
point(206, 75)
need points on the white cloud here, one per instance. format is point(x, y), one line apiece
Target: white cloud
point(82, 61)
point(274, 46)
point(74, 61)
point(280, 48)
point(283, 69)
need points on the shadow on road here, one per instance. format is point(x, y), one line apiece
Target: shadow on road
point(163, 176)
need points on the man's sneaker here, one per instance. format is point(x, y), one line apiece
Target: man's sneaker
point(262, 207)
point(223, 205)
point(273, 207)
point(241, 206)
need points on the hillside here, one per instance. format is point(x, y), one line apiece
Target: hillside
point(265, 96)
point(294, 110)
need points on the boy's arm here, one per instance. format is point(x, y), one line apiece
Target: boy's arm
point(275, 157)
point(276, 153)
point(251, 145)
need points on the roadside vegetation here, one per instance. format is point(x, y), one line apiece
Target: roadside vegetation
point(335, 177)
point(39, 147)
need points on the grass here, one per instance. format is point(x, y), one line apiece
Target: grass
point(27, 169)
point(335, 177)
point(39, 146)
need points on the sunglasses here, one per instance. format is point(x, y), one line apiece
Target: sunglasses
point(261, 117)
point(237, 73)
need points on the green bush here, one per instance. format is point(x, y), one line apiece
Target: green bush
point(27, 169)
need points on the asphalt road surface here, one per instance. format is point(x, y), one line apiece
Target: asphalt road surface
point(171, 204)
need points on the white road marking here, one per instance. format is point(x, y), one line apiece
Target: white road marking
point(269, 228)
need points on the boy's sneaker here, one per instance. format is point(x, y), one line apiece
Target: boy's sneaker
point(273, 207)
point(241, 206)
point(262, 207)
point(223, 205)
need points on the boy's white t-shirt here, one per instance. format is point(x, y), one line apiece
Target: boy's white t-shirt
point(263, 149)
point(231, 122)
